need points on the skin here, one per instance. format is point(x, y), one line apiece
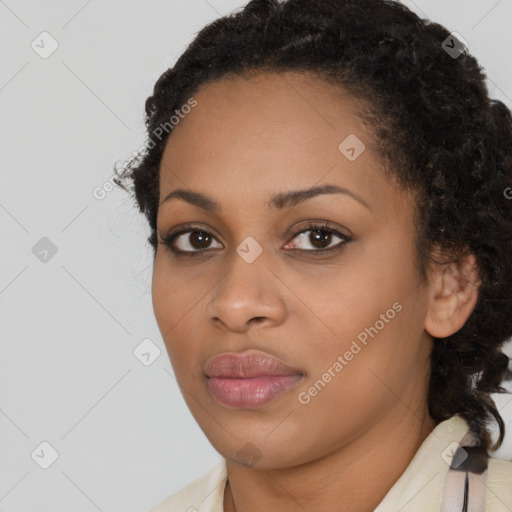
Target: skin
point(354, 439)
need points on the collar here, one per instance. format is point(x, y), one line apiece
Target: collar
point(419, 488)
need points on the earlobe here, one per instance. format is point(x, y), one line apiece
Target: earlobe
point(452, 296)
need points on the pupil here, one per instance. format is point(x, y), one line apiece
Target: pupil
point(200, 237)
point(316, 237)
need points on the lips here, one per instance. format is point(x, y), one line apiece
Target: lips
point(247, 365)
point(249, 379)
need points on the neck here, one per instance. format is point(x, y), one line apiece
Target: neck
point(358, 475)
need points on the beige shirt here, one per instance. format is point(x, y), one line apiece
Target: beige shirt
point(419, 489)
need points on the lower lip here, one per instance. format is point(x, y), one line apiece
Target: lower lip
point(250, 393)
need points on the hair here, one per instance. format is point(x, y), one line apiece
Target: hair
point(433, 124)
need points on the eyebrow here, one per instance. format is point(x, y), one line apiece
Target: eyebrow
point(279, 201)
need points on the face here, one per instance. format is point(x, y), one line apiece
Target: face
point(324, 282)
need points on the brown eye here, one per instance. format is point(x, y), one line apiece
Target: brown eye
point(194, 242)
point(199, 239)
point(189, 241)
point(320, 239)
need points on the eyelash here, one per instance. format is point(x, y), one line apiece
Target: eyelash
point(171, 237)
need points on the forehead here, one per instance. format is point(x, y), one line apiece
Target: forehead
point(278, 106)
point(271, 131)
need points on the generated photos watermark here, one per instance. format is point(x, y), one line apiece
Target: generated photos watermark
point(101, 191)
point(304, 397)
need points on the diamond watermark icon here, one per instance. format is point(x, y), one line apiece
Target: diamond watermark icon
point(44, 455)
point(44, 45)
point(249, 249)
point(454, 455)
point(147, 352)
point(44, 250)
point(352, 147)
point(250, 454)
point(454, 45)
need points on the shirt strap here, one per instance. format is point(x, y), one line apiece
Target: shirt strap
point(466, 480)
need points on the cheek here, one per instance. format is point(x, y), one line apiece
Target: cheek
point(352, 382)
point(173, 294)
point(170, 303)
point(369, 312)
point(177, 308)
point(163, 296)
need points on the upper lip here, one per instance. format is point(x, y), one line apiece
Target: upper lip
point(252, 363)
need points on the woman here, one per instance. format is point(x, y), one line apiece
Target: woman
point(332, 275)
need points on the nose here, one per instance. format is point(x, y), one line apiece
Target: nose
point(248, 294)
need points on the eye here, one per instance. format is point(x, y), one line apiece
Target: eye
point(320, 237)
point(199, 241)
point(196, 241)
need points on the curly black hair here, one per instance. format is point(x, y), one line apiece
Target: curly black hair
point(434, 126)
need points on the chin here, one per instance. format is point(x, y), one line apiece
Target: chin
point(258, 450)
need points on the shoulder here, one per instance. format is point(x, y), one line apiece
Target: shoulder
point(499, 486)
point(206, 494)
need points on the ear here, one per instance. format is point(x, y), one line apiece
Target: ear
point(452, 295)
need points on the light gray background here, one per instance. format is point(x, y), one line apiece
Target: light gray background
point(68, 375)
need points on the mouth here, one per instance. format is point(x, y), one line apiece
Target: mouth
point(250, 379)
